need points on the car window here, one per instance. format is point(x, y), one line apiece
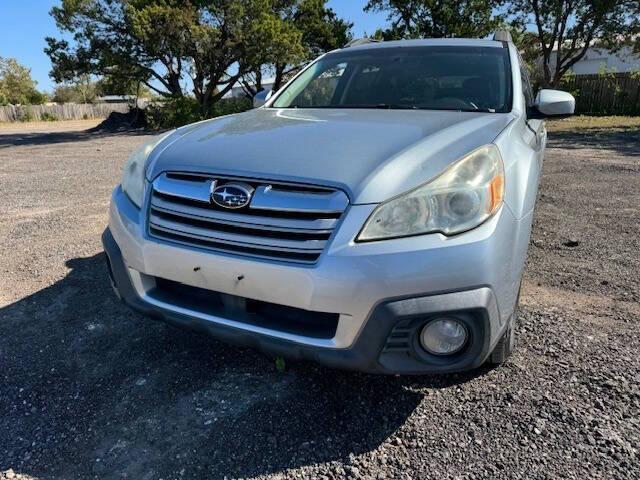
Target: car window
point(527, 89)
point(321, 88)
point(439, 78)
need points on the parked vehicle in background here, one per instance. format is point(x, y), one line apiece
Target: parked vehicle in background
point(373, 214)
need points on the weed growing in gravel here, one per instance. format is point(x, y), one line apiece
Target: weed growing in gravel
point(280, 364)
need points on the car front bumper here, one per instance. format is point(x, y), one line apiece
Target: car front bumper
point(381, 292)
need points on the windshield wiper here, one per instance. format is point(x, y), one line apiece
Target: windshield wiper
point(380, 106)
point(454, 109)
point(394, 106)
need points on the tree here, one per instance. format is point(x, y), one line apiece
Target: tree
point(320, 29)
point(65, 93)
point(16, 85)
point(566, 29)
point(528, 46)
point(169, 44)
point(123, 86)
point(79, 90)
point(85, 90)
point(438, 18)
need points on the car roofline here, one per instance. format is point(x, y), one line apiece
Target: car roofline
point(428, 42)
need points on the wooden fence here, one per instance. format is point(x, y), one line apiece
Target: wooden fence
point(605, 94)
point(66, 111)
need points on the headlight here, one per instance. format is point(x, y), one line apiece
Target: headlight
point(133, 172)
point(461, 198)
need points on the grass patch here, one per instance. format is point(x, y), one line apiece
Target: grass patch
point(583, 122)
point(280, 364)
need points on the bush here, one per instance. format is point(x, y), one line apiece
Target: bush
point(172, 113)
point(176, 112)
point(227, 106)
point(48, 117)
point(26, 115)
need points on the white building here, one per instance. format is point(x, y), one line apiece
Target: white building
point(116, 98)
point(237, 90)
point(597, 60)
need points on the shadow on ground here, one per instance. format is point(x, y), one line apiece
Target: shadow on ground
point(42, 138)
point(91, 388)
point(623, 141)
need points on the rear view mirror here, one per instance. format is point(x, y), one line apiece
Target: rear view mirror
point(553, 103)
point(261, 98)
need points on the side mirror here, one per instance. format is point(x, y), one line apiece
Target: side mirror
point(261, 98)
point(553, 103)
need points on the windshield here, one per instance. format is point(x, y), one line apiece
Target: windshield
point(430, 78)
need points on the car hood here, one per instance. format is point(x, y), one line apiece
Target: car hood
point(372, 155)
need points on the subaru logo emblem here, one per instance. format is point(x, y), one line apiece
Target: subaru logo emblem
point(231, 195)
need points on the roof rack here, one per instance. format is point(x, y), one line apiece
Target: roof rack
point(361, 41)
point(502, 36)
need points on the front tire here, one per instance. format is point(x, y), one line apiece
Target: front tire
point(507, 344)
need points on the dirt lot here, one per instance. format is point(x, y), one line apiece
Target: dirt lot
point(89, 389)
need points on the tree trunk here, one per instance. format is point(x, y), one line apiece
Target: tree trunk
point(252, 86)
point(279, 78)
point(174, 86)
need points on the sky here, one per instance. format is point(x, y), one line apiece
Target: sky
point(25, 23)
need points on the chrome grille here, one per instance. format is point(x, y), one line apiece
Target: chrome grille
point(282, 222)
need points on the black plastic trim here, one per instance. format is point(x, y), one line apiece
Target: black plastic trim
point(368, 353)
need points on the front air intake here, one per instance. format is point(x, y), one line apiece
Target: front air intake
point(286, 222)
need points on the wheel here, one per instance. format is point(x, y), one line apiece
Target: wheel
point(507, 343)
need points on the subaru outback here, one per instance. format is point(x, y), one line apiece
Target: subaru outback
point(373, 214)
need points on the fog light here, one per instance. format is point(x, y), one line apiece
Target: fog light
point(444, 336)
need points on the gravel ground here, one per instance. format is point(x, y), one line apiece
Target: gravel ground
point(89, 389)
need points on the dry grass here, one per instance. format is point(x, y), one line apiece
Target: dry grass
point(582, 122)
point(46, 127)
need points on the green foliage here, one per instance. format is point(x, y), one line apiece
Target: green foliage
point(84, 89)
point(320, 30)
point(544, 30)
point(566, 30)
point(162, 43)
point(280, 364)
point(437, 18)
point(81, 89)
point(48, 117)
point(568, 84)
point(607, 73)
point(16, 85)
point(210, 45)
point(26, 115)
point(114, 85)
point(227, 106)
point(176, 112)
point(65, 94)
point(529, 48)
point(173, 113)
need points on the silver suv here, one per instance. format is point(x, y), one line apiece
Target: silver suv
point(373, 214)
